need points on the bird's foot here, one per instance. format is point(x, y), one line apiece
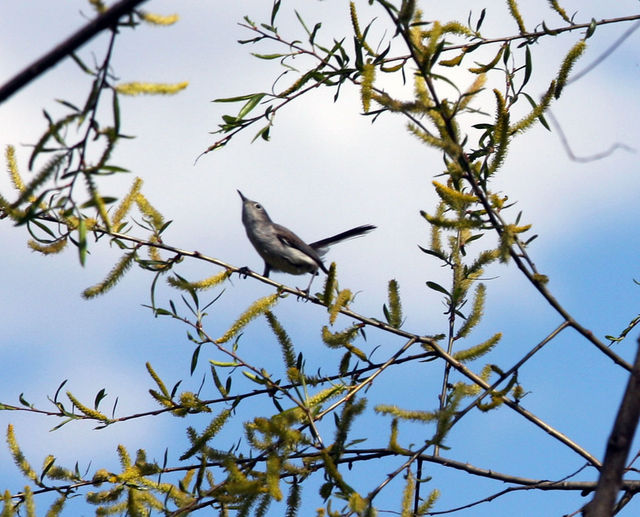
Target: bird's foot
point(303, 293)
point(244, 271)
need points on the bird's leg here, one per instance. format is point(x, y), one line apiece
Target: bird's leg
point(307, 290)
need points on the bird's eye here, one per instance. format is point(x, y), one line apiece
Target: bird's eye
point(258, 206)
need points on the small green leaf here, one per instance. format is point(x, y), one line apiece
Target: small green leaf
point(194, 358)
point(105, 199)
point(268, 56)
point(274, 10)
point(591, 29)
point(235, 99)
point(99, 396)
point(431, 252)
point(547, 30)
point(541, 118)
point(47, 468)
point(437, 287)
point(252, 103)
point(254, 377)
point(527, 67)
point(64, 422)
point(223, 364)
point(55, 397)
point(481, 19)
point(216, 380)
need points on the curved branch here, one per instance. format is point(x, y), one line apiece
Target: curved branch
point(549, 32)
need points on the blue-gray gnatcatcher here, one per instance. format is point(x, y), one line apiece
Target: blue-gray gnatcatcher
point(283, 250)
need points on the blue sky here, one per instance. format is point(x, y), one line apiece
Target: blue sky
point(326, 169)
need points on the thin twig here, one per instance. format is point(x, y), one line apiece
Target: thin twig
point(584, 159)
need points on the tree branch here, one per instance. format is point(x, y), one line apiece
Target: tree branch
point(107, 19)
point(618, 446)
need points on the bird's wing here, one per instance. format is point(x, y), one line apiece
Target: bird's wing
point(288, 238)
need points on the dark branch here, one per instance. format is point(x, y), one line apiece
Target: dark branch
point(107, 19)
point(618, 446)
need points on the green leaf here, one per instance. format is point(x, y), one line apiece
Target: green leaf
point(236, 99)
point(82, 241)
point(47, 468)
point(431, 252)
point(43, 227)
point(481, 19)
point(216, 380)
point(274, 10)
point(541, 118)
point(548, 31)
point(527, 67)
point(254, 377)
point(224, 364)
point(64, 422)
point(314, 32)
point(107, 200)
point(55, 397)
point(438, 287)
point(81, 64)
point(113, 168)
point(194, 358)
point(263, 133)
point(23, 401)
point(591, 29)
point(99, 396)
point(268, 56)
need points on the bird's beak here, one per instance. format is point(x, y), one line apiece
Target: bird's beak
point(241, 195)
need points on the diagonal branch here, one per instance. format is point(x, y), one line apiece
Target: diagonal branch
point(618, 446)
point(107, 19)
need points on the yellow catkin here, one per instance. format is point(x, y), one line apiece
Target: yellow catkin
point(199, 285)
point(453, 197)
point(18, 457)
point(48, 249)
point(366, 89)
point(139, 88)
point(126, 203)
point(12, 167)
point(158, 19)
point(556, 7)
point(98, 5)
point(356, 28)
point(476, 87)
point(148, 210)
point(258, 307)
point(572, 56)
point(87, 411)
point(515, 12)
point(342, 300)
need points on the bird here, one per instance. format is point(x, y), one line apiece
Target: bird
point(281, 249)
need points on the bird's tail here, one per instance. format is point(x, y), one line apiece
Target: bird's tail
point(322, 245)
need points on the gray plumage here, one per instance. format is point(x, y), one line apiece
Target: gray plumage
point(283, 250)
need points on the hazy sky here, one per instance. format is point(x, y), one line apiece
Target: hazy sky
point(326, 169)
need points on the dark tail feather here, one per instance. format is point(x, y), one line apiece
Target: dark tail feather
point(349, 234)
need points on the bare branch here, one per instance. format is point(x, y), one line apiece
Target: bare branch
point(618, 446)
point(107, 19)
point(584, 159)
